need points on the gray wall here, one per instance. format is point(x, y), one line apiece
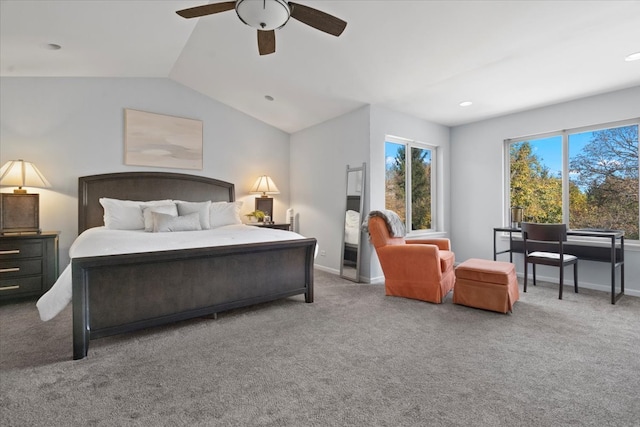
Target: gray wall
point(319, 158)
point(477, 178)
point(70, 127)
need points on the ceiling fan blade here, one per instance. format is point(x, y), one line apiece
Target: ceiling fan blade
point(317, 19)
point(207, 9)
point(266, 42)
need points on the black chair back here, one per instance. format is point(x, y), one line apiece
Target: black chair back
point(545, 232)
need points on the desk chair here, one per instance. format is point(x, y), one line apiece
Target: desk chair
point(556, 234)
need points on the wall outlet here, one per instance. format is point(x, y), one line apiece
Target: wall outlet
point(323, 253)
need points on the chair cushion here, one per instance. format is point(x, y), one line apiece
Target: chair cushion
point(551, 255)
point(482, 270)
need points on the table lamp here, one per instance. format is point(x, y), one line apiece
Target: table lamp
point(20, 211)
point(265, 185)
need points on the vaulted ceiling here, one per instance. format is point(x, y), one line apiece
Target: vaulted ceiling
point(422, 58)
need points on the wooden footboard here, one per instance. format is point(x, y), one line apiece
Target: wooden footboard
point(122, 293)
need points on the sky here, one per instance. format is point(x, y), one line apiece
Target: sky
point(549, 150)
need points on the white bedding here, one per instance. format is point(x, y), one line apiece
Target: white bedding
point(102, 241)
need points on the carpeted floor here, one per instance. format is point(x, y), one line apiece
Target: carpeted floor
point(352, 358)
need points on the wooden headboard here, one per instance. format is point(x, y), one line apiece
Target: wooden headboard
point(144, 186)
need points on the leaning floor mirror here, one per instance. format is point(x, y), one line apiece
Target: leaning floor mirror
point(352, 234)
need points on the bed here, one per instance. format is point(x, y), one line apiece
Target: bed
point(115, 294)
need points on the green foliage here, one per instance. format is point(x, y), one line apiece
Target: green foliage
point(258, 214)
point(604, 193)
point(532, 186)
point(395, 191)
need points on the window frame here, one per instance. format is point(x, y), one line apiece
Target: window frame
point(409, 144)
point(564, 134)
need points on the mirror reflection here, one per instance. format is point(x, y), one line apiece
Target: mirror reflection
point(351, 239)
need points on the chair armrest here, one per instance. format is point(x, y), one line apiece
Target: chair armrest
point(442, 243)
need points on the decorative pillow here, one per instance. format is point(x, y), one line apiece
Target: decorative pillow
point(224, 213)
point(125, 214)
point(169, 209)
point(202, 208)
point(164, 222)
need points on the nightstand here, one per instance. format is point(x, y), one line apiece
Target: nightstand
point(28, 264)
point(279, 226)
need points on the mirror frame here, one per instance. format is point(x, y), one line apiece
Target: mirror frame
point(363, 181)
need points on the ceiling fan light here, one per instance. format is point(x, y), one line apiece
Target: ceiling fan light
point(263, 14)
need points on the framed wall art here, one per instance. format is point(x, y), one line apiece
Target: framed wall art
point(158, 140)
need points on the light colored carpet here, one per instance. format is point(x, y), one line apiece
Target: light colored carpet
point(352, 358)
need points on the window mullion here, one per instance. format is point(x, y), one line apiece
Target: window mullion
point(565, 177)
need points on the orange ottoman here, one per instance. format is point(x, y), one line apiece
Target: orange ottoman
point(490, 285)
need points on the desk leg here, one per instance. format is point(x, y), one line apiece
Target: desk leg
point(613, 270)
point(495, 249)
point(511, 247)
point(614, 261)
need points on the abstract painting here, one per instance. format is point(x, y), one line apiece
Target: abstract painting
point(158, 140)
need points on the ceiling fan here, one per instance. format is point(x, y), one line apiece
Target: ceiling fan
point(268, 15)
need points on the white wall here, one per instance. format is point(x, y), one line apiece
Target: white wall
point(477, 178)
point(319, 159)
point(70, 127)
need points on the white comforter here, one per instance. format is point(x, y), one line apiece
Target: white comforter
point(102, 241)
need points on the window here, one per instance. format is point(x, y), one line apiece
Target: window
point(587, 178)
point(410, 182)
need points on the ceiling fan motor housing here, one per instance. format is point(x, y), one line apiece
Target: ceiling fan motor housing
point(264, 15)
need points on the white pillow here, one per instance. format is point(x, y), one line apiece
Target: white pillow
point(202, 208)
point(169, 209)
point(224, 213)
point(125, 214)
point(163, 222)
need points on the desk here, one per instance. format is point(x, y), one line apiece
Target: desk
point(613, 253)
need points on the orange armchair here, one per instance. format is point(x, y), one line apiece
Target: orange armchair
point(418, 269)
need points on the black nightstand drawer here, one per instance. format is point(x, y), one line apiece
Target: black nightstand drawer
point(20, 249)
point(20, 268)
point(25, 285)
point(28, 264)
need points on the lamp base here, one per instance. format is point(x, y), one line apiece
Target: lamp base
point(265, 204)
point(19, 191)
point(19, 212)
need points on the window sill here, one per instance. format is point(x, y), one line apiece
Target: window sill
point(426, 234)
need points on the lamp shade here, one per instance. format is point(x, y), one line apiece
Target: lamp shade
point(19, 173)
point(264, 185)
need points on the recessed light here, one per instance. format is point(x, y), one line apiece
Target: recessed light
point(632, 57)
point(268, 97)
point(466, 103)
point(53, 46)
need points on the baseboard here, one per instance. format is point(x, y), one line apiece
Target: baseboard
point(327, 269)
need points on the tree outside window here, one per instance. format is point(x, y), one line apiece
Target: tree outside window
point(601, 179)
point(408, 183)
